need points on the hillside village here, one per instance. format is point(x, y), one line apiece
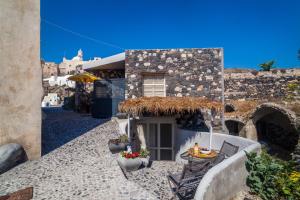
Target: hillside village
point(149, 123)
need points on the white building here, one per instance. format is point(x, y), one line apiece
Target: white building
point(69, 66)
point(73, 65)
point(60, 81)
point(51, 99)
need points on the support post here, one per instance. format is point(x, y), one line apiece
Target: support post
point(211, 128)
point(128, 128)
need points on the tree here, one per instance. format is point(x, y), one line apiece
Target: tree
point(267, 65)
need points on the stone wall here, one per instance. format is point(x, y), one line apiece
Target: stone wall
point(21, 76)
point(260, 85)
point(188, 72)
point(108, 74)
point(49, 69)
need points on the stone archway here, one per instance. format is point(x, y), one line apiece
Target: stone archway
point(276, 129)
point(229, 108)
point(234, 126)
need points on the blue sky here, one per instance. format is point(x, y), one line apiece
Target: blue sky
point(250, 31)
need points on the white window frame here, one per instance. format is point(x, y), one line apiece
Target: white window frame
point(147, 121)
point(155, 84)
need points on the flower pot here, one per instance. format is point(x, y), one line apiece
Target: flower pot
point(145, 161)
point(117, 147)
point(129, 164)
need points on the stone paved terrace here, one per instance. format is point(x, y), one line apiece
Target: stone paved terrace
point(80, 169)
point(61, 126)
point(153, 179)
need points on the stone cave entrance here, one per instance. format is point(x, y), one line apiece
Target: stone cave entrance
point(234, 127)
point(275, 131)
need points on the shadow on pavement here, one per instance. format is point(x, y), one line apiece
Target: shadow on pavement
point(60, 126)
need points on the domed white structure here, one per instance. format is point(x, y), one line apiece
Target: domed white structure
point(69, 66)
point(79, 56)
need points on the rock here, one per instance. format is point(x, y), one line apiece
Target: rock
point(160, 67)
point(200, 88)
point(10, 156)
point(178, 89)
point(146, 64)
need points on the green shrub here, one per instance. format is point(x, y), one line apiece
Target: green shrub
point(267, 65)
point(144, 153)
point(271, 178)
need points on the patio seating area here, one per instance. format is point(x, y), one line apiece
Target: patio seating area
point(84, 168)
point(154, 178)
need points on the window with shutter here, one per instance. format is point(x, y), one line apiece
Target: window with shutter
point(154, 85)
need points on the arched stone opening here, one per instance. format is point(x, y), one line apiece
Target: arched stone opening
point(234, 127)
point(275, 127)
point(229, 108)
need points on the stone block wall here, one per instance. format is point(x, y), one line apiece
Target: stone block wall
point(108, 74)
point(260, 85)
point(49, 69)
point(188, 72)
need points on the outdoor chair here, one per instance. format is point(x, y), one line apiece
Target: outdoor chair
point(184, 184)
point(227, 150)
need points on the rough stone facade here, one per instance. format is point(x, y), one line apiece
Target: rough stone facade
point(49, 69)
point(260, 85)
point(109, 74)
point(187, 72)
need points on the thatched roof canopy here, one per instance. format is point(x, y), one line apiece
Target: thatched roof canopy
point(242, 108)
point(167, 105)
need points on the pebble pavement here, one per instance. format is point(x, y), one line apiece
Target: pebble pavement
point(83, 168)
point(154, 178)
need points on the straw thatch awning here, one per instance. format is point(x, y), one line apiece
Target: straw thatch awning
point(167, 105)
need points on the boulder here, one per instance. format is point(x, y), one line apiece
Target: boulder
point(11, 155)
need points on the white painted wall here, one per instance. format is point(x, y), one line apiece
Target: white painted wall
point(20, 76)
point(226, 179)
point(60, 81)
point(51, 99)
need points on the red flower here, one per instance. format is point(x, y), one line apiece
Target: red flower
point(130, 155)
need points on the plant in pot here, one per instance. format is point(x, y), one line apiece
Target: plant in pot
point(129, 161)
point(145, 156)
point(118, 145)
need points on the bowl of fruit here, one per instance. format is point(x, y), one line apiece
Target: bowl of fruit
point(205, 151)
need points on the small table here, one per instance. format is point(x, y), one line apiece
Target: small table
point(201, 157)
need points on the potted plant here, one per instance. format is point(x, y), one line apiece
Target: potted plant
point(129, 161)
point(118, 145)
point(145, 156)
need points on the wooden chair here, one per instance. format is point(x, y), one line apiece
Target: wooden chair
point(24, 194)
point(184, 184)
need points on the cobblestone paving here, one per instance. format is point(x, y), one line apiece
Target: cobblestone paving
point(154, 178)
point(60, 126)
point(80, 169)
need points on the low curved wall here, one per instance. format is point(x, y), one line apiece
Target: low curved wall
point(226, 179)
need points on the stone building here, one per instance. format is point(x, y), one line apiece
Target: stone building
point(258, 105)
point(165, 73)
point(183, 72)
point(49, 69)
point(264, 106)
point(69, 66)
